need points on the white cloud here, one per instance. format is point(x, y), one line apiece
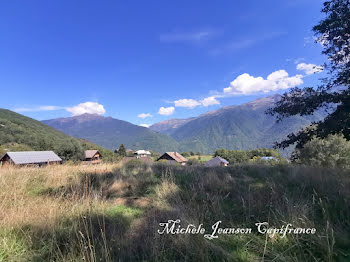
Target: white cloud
point(166, 111)
point(87, 108)
point(197, 36)
point(309, 69)
point(144, 115)
point(211, 100)
point(38, 109)
point(188, 103)
point(145, 125)
point(247, 84)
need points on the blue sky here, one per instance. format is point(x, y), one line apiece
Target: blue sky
point(129, 59)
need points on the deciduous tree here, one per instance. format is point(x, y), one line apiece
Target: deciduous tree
point(333, 33)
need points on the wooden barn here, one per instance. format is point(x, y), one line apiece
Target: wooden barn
point(93, 156)
point(174, 157)
point(34, 158)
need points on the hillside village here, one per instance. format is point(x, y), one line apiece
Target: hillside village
point(43, 158)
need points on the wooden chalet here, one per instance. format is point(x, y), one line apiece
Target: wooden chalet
point(93, 156)
point(173, 157)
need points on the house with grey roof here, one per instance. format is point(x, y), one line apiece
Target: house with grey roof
point(38, 158)
point(217, 161)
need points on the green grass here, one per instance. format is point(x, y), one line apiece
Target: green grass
point(121, 210)
point(202, 158)
point(12, 246)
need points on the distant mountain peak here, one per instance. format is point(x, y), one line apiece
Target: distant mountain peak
point(79, 118)
point(168, 125)
point(88, 117)
point(264, 101)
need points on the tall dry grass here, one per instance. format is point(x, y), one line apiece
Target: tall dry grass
point(22, 194)
point(111, 212)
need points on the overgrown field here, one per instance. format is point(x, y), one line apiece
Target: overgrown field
point(111, 212)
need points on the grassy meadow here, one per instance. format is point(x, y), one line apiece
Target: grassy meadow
point(111, 212)
point(201, 158)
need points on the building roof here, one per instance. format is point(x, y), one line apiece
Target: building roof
point(142, 152)
point(268, 158)
point(90, 153)
point(216, 161)
point(176, 156)
point(32, 157)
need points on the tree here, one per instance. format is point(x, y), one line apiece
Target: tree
point(333, 32)
point(121, 151)
point(185, 154)
point(333, 151)
point(244, 156)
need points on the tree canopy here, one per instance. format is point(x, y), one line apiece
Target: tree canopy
point(333, 33)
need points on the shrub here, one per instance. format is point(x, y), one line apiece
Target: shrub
point(333, 151)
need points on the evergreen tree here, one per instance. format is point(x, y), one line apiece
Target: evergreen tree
point(121, 151)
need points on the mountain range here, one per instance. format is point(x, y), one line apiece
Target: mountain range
point(245, 126)
point(110, 133)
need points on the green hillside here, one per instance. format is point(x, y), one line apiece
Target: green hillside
point(21, 133)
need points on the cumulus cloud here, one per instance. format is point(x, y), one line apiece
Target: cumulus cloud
point(188, 103)
point(192, 103)
point(247, 84)
point(87, 108)
point(166, 111)
point(211, 100)
point(309, 69)
point(145, 125)
point(144, 115)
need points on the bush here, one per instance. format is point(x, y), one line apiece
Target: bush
point(193, 162)
point(185, 154)
point(333, 151)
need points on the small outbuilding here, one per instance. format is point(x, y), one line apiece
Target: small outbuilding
point(268, 158)
point(174, 157)
point(93, 156)
point(217, 161)
point(142, 153)
point(37, 158)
